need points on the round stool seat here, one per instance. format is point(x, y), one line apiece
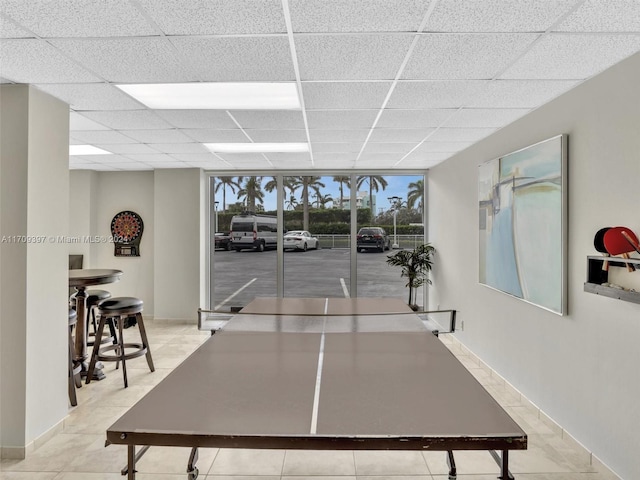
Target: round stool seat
point(73, 317)
point(93, 296)
point(120, 306)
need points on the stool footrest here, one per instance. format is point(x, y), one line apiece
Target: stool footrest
point(140, 350)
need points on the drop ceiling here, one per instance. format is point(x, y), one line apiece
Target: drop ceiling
point(384, 84)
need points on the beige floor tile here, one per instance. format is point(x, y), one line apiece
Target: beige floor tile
point(395, 477)
point(319, 462)
point(27, 475)
point(88, 476)
point(390, 463)
point(254, 477)
point(174, 460)
point(467, 462)
point(99, 459)
point(93, 419)
point(238, 461)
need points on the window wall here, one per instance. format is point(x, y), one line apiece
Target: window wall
point(328, 235)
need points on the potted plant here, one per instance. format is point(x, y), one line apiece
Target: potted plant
point(415, 264)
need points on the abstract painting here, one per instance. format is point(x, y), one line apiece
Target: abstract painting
point(522, 224)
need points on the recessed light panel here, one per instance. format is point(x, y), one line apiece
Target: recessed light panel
point(86, 150)
point(257, 147)
point(227, 96)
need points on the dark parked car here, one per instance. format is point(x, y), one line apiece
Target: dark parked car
point(373, 237)
point(222, 240)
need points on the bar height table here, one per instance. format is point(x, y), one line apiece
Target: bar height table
point(81, 279)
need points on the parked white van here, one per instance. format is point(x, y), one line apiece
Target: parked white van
point(254, 231)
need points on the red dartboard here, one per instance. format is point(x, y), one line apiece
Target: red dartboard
point(127, 228)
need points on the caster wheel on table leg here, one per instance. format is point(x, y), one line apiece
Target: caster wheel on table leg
point(193, 474)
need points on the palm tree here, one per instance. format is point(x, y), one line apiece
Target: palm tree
point(344, 180)
point(251, 192)
point(287, 185)
point(322, 200)
point(224, 182)
point(291, 203)
point(375, 183)
point(306, 183)
point(415, 194)
point(415, 264)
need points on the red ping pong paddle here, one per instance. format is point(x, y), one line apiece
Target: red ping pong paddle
point(598, 243)
point(632, 239)
point(616, 244)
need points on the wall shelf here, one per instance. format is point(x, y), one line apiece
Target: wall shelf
point(596, 277)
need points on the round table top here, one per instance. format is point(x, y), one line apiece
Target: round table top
point(93, 276)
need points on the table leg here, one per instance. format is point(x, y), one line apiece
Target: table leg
point(82, 356)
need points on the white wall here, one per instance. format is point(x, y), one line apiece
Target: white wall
point(179, 233)
point(170, 272)
point(35, 204)
point(580, 369)
point(101, 195)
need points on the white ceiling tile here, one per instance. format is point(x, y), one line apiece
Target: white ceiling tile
point(519, 93)
point(35, 61)
point(496, 15)
point(399, 135)
point(213, 165)
point(238, 58)
point(572, 56)
point(460, 134)
point(91, 96)
point(291, 161)
point(9, 29)
point(151, 158)
point(216, 17)
point(485, 117)
point(357, 15)
point(128, 60)
point(333, 163)
point(158, 136)
point(247, 160)
point(341, 118)
point(134, 166)
point(129, 119)
point(337, 159)
point(196, 157)
point(207, 135)
point(335, 147)
point(79, 18)
point(361, 95)
point(447, 147)
point(102, 159)
point(161, 165)
point(277, 136)
point(464, 56)
point(379, 159)
point(339, 136)
point(106, 137)
point(376, 147)
point(413, 118)
point(423, 159)
point(128, 148)
point(433, 94)
point(350, 57)
point(604, 16)
point(269, 119)
point(103, 167)
point(77, 121)
point(173, 148)
point(197, 118)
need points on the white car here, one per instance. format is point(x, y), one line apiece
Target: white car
point(299, 240)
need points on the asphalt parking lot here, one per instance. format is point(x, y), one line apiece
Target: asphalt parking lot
point(241, 276)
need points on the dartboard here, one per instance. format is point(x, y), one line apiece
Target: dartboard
point(126, 227)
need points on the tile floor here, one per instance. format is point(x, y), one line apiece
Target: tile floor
point(78, 452)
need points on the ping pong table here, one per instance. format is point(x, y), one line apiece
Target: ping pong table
point(321, 374)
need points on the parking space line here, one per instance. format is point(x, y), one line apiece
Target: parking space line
point(344, 288)
point(234, 293)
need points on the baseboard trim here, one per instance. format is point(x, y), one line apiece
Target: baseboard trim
point(20, 453)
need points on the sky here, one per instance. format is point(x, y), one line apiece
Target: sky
point(397, 186)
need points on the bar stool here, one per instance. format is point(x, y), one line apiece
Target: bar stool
point(74, 369)
point(93, 298)
point(119, 309)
